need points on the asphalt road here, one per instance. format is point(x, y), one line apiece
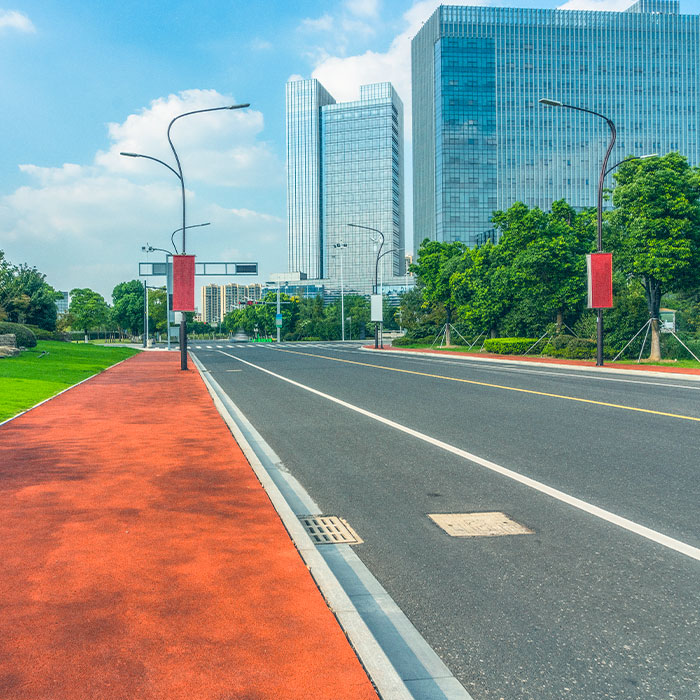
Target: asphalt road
point(586, 606)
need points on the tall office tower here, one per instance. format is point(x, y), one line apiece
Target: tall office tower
point(211, 303)
point(482, 141)
point(344, 166)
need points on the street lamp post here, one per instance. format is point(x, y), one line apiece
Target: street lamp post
point(168, 274)
point(340, 247)
point(179, 175)
point(376, 273)
point(603, 172)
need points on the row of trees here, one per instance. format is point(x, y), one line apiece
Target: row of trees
point(305, 319)
point(536, 274)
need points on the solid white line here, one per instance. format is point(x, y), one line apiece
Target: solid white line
point(494, 368)
point(606, 515)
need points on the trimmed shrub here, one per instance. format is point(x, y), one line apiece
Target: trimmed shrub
point(42, 334)
point(25, 337)
point(570, 347)
point(509, 346)
point(405, 341)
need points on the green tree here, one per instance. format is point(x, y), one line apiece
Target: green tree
point(483, 289)
point(127, 298)
point(25, 296)
point(656, 229)
point(546, 255)
point(88, 309)
point(435, 265)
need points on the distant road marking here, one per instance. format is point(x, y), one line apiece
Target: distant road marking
point(497, 386)
point(606, 515)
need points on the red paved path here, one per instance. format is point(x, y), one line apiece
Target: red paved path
point(141, 559)
point(551, 360)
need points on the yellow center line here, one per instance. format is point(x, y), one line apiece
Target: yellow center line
point(496, 386)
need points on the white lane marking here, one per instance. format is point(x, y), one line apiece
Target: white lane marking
point(493, 368)
point(601, 513)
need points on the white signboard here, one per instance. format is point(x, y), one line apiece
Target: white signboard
point(376, 308)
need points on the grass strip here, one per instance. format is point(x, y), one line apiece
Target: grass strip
point(48, 369)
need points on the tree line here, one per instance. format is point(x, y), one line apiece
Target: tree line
point(534, 277)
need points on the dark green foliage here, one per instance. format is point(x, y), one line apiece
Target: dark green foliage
point(25, 297)
point(23, 335)
point(42, 334)
point(570, 347)
point(509, 346)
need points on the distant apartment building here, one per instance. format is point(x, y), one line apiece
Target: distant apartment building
point(482, 140)
point(211, 303)
point(344, 166)
point(233, 295)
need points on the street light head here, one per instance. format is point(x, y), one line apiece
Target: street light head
point(550, 103)
point(247, 104)
point(130, 155)
point(649, 155)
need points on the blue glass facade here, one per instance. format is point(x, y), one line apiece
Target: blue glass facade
point(482, 141)
point(344, 165)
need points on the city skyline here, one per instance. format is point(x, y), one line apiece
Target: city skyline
point(73, 208)
point(483, 140)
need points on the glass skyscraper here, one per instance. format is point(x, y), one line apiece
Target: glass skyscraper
point(482, 141)
point(344, 166)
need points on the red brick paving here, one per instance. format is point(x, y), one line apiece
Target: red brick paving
point(141, 558)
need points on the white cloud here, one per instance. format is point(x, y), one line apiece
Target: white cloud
point(12, 19)
point(343, 75)
point(260, 44)
point(220, 148)
point(83, 225)
point(363, 8)
point(599, 5)
point(320, 24)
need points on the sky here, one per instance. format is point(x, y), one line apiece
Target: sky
point(82, 81)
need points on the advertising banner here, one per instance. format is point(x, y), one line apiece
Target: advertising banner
point(375, 308)
point(183, 282)
point(599, 280)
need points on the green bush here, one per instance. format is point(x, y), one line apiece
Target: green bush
point(405, 341)
point(509, 346)
point(570, 347)
point(42, 334)
point(23, 335)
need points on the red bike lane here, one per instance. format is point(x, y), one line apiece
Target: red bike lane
point(141, 558)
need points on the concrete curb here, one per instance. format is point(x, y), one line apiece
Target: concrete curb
point(380, 670)
point(63, 391)
point(554, 365)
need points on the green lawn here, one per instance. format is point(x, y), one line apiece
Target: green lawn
point(30, 378)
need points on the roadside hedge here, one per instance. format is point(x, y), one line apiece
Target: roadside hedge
point(43, 334)
point(509, 346)
point(23, 335)
point(571, 347)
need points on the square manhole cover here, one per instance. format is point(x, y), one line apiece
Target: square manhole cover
point(329, 529)
point(478, 524)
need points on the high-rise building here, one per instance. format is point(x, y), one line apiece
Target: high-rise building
point(62, 303)
point(482, 141)
point(211, 303)
point(344, 166)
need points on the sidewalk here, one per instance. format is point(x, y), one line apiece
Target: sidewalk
point(554, 361)
point(141, 558)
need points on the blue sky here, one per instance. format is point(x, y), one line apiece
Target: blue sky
point(84, 80)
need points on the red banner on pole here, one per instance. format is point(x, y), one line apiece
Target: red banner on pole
point(600, 294)
point(183, 282)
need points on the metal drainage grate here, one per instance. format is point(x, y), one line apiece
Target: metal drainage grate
point(478, 524)
point(329, 529)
